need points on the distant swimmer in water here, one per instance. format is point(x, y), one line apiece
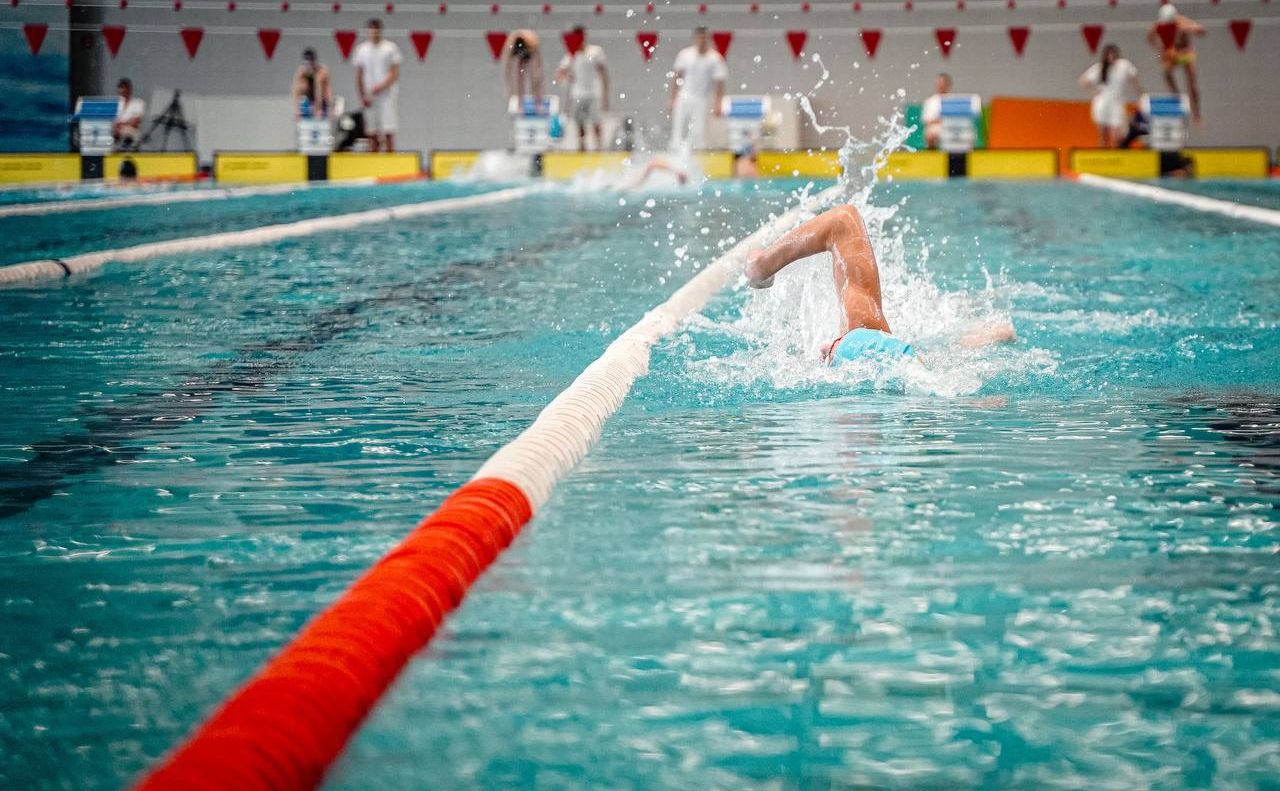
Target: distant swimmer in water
point(658, 165)
point(1181, 52)
point(865, 331)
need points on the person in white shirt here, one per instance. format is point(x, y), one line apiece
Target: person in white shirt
point(128, 119)
point(377, 63)
point(1111, 80)
point(931, 111)
point(588, 78)
point(697, 86)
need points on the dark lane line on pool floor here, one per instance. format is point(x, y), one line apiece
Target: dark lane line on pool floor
point(111, 435)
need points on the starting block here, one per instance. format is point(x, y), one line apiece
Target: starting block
point(960, 113)
point(1167, 114)
point(94, 116)
point(533, 120)
point(745, 118)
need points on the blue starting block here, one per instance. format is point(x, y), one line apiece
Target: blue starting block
point(94, 116)
point(745, 119)
point(1167, 113)
point(960, 113)
point(532, 120)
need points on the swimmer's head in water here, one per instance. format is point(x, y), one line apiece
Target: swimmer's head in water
point(1167, 13)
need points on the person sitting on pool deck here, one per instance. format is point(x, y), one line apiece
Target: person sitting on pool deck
point(865, 330)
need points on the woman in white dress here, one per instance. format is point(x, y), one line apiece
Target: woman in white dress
point(1112, 79)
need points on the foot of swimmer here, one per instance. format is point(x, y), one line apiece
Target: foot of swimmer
point(842, 233)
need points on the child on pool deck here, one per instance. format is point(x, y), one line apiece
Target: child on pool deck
point(865, 331)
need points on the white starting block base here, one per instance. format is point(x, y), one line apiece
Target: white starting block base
point(95, 116)
point(315, 136)
point(531, 122)
point(1167, 115)
point(960, 112)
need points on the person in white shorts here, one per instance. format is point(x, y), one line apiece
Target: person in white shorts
point(1111, 80)
point(697, 86)
point(588, 76)
point(377, 63)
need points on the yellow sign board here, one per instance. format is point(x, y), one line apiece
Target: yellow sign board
point(344, 166)
point(914, 166)
point(259, 168)
point(808, 163)
point(38, 168)
point(451, 164)
point(152, 165)
point(716, 164)
point(1117, 164)
point(563, 165)
point(1013, 164)
point(1229, 163)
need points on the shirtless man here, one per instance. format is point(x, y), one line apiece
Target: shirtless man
point(1181, 53)
point(522, 61)
point(311, 82)
point(864, 331)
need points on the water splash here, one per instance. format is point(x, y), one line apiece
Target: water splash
point(780, 331)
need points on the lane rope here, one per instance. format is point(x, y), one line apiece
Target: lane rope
point(147, 199)
point(1226, 208)
point(79, 264)
point(284, 727)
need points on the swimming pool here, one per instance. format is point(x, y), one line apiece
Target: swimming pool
point(1049, 564)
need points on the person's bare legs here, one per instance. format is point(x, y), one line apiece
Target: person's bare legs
point(1168, 77)
point(839, 231)
point(1193, 91)
point(389, 143)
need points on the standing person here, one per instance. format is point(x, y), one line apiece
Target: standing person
point(377, 62)
point(1182, 52)
point(697, 86)
point(931, 110)
point(1111, 78)
point(522, 63)
point(312, 91)
point(588, 77)
point(128, 120)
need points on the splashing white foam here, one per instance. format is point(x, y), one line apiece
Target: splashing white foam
point(784, 328)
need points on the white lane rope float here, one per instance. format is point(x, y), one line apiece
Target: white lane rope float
point(145, 199)
point(569, 426)
point(1226, 208)
point(86, 262)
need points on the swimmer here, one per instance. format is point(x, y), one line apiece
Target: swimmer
point(864, 331)
point(1182, 52)
point(522, 62)
point(658, 165)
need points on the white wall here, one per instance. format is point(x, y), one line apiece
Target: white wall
point(453, 99)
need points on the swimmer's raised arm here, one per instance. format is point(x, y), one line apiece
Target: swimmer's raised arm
point(839, 231)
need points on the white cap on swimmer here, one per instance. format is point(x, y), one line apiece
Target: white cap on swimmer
point(1167, 12)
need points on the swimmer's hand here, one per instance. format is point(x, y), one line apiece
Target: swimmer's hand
point(752, 271)
point(988, 333)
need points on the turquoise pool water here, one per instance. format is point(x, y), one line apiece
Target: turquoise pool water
point(1051, 564)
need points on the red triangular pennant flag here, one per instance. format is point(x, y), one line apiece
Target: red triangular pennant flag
point(346, 39)
point(114, 36)
point(35, 33)
point(1240, 31)
point(191, 38)
point(946, 37)
point(268, 38)
point(648, 41)
point(870, 41)
point(722, 39)
point(1092, 36)
point(1168, 32)
point(496, 39)
point(421, 42)
point(573, 41)
point(1018, 37)
point(797, 38)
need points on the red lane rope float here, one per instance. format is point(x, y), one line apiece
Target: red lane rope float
point(284, 727)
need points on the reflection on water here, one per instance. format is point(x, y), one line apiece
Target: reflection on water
point(872, 591)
